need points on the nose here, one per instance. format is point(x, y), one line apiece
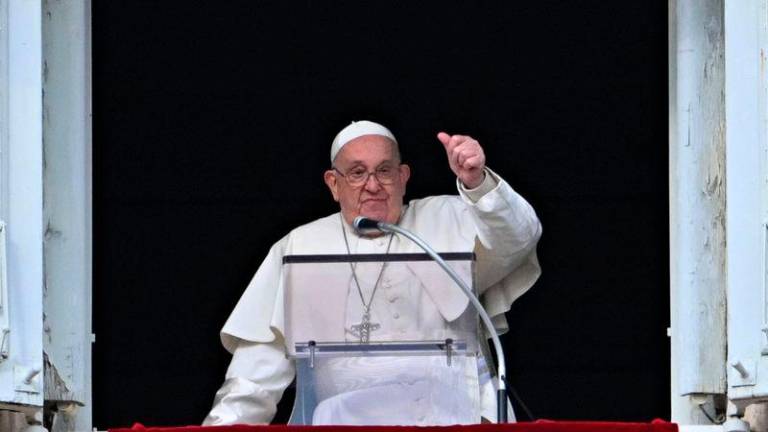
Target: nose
point(372, 184)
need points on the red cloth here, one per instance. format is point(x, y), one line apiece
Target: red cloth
point(538, 426)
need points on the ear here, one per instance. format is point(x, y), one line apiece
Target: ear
point(332, 183)
point(405, 174)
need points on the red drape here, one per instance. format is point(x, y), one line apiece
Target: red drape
point(538, 426)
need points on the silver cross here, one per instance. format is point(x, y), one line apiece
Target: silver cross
point(364, 329)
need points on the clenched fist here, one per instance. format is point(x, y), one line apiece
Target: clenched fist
point(466, 158)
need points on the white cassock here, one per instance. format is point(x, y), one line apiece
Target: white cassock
point(492, 221)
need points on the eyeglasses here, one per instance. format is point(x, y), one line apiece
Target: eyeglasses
point(358, 176)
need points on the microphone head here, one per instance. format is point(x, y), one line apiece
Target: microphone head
point(362, 223)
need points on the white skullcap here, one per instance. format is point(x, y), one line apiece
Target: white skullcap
point(356, 130)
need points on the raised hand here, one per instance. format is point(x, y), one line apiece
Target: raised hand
point(466, 158)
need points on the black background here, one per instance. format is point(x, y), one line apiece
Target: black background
point(212, 126)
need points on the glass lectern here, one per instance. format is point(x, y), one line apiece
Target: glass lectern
point(384, 339)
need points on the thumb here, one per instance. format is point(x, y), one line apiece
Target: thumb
point(444, 138)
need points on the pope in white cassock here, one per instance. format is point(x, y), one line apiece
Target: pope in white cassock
point(368, 179)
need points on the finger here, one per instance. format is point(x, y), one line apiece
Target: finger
point(468, 148)
point(464, 153)
point(444, 138)
point(450, 147)
point(458, 140)
point(467, 156)
point(453, 157)
point(474, 162)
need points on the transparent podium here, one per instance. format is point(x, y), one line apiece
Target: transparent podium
point(381, 340)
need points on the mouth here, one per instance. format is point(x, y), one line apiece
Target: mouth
point(373, 200)
point(373, 204)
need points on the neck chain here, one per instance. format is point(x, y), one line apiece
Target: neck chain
point(364, 329)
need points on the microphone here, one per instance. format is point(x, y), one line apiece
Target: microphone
point(362, 223)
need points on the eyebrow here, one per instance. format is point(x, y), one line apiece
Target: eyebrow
point(357, 163)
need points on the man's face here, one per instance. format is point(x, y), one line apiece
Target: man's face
point(371, 199)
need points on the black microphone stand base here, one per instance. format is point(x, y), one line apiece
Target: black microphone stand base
point(501, 405)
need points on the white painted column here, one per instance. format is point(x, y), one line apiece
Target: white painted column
point(67, 204)
point(21, 198)
point(697, 208)
point(681, 407)
point(746, 25)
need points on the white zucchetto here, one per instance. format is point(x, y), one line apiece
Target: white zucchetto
point(356, 130)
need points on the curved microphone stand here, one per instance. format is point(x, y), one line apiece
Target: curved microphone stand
point(363, 224)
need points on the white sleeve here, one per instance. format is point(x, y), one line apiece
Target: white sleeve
point(488, 184)
point(255, 381)
point(507, 233)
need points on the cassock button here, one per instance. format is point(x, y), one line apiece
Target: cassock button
point(395, 315)
point(392, 299)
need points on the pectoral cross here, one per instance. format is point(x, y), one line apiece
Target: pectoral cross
point(364, 329)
